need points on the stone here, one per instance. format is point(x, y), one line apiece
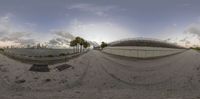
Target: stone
point(39, 68)
point(20, 81)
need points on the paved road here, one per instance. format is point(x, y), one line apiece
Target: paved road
point(112, 77)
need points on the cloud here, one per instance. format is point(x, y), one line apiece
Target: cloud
point(64, 34)
point(4, 25)
point(184, 36)
point(26, 41)
point(17, 34)
point(193, 29)
point(92, 8)
point(53, 42)
point(19, 37)
point(93, 43)
point(101, 31)
point(62, 38)
point(58, 43)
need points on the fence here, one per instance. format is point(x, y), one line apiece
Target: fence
point(142, 52)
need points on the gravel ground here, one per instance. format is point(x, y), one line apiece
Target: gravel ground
point(96, 75)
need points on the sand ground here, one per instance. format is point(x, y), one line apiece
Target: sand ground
point(96, 75)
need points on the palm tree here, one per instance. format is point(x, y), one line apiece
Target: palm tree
point(73, 44)
point(81, 44)
point(79, 41)
point(86, 44)
point(103, 45)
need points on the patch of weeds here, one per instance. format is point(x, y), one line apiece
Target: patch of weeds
point(62, 54)
point(50, 56)
point(3, 70)
point(20, 81)
point(47, 80)
point(36, 78)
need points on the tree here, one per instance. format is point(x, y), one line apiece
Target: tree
point(73, 44)
point(79, 43)
point(86, 44)
point(103, 45)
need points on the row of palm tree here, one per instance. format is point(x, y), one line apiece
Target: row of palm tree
point(78, 44)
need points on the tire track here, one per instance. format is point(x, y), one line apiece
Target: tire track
point(74, 84)
point(133, 83)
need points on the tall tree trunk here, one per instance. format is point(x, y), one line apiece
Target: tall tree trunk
point(81, 48)
point(73, 49)
point(76, 48)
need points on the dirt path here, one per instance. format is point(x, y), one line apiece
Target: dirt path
point(107, 77)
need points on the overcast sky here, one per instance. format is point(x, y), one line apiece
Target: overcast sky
point(27, 21)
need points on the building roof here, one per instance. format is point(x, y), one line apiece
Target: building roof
point(143, 42)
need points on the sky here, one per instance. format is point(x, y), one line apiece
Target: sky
point(55, 22)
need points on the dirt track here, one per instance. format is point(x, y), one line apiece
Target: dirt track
point(102, 76)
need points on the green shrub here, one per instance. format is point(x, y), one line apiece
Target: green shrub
point(50, 56)
point(1, 49)
point(62, 54)
point(195, 48)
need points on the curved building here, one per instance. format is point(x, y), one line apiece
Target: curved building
point(142, 48)
point(144, 42)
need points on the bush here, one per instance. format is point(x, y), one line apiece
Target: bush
point(50, 56)
point(195, 48)
point(1, 49)
point(62, 54)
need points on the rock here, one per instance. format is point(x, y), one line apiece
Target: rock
point(20, 81)
point(78, 92)
point(48, 80)
point(35, 77)
point(198, 97)
point(3, 70)
point(16, 77)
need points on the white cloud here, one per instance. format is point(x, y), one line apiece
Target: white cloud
point(63, 34)
point(61, 38)
point(58, 43)
point(102, 31)
point(92, 8)
point(4, 25)
point(193, 29)
point(14, 34)
point(24, 42)
point(185, 36)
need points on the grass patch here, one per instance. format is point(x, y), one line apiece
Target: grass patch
point(195, 48)
point(1, 49)
point(62, 54)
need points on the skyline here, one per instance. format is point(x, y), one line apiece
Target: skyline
point(29, 21)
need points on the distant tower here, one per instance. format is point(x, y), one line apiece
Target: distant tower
point(38, 46)
point(28, 46)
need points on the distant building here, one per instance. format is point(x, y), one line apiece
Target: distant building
point(143, 42)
